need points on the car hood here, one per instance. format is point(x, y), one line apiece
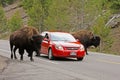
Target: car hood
point(67, 44)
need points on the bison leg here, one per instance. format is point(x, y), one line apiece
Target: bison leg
point(86, 51)
point(37, 53)
point(31, 58)
point(11, 48)
point(15, 53)
point(30, 54)
point(21, 52)
point(85, 46)
point(11, 55)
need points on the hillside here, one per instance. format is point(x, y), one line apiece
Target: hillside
point(10, 10)
point(114, 33)
point(115, 48)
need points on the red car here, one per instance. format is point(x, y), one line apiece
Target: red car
point(61, 44)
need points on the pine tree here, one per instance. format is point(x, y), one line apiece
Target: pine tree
point(15, 22)
point(3, 20)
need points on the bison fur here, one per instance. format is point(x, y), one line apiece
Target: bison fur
point(87, 38)
point(26, 38)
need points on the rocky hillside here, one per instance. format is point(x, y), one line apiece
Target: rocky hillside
point(11, 9)
point(114, 23)
point(115, 33)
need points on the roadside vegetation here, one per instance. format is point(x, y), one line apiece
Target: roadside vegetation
point(64, 15)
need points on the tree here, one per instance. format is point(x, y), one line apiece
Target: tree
point(75, 14)
point(36, 14)
point(58, 18)
point(37, 11)
point(5, 2)
point(115, 5)
point(3, 20)
point(100, 29)
point(27, 4)
point(15, 22)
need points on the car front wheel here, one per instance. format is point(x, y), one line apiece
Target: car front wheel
point(50, 55)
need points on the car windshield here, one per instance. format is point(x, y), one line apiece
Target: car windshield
point(62, 37)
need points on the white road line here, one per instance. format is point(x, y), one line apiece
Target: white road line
point(49, 61)
point(39, 58)
point(4, 50)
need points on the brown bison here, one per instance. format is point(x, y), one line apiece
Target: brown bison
point(87, 38)
point(26, 38)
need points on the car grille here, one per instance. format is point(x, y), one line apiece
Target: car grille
point(72, 48)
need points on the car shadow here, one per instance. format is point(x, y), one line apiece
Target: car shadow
point(58, 59)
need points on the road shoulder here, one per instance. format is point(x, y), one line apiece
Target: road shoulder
point(3, 63)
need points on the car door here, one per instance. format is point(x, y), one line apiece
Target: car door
point(45, 44)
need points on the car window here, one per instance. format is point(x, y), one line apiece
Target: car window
point(62, 37)
point(44, 34)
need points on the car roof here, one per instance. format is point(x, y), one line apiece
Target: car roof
point(54, 32)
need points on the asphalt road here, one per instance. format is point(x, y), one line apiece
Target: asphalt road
point(95, 66)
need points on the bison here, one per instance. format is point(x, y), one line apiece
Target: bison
point(87, 38)
point(26, 38)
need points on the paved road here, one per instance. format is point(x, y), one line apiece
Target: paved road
point(95, 66)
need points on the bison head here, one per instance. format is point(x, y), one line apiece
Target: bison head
point(95, 41)
point(36, 40)
point(36, 43)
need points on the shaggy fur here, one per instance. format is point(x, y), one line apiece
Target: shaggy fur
point(26, 38)
point(29, 31)
point(87, 38)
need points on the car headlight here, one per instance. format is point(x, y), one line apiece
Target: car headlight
point(59, 47)
point(82, 48)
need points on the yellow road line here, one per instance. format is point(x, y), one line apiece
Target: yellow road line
point(106, 61)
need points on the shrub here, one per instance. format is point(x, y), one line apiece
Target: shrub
point(103, 31)
point(6, 2)
point(15, 22)
point(2, 20)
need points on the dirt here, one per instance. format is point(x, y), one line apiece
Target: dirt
point(10, 10)
point(115, 33)
point(3, 63)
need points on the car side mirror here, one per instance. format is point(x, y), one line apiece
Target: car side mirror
point(77, 40)
point(45, 39)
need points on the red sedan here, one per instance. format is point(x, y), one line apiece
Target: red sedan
point(61, 44)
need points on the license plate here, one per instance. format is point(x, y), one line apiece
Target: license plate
point(72, 53)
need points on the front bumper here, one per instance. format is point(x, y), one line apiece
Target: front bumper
point(69, 53)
